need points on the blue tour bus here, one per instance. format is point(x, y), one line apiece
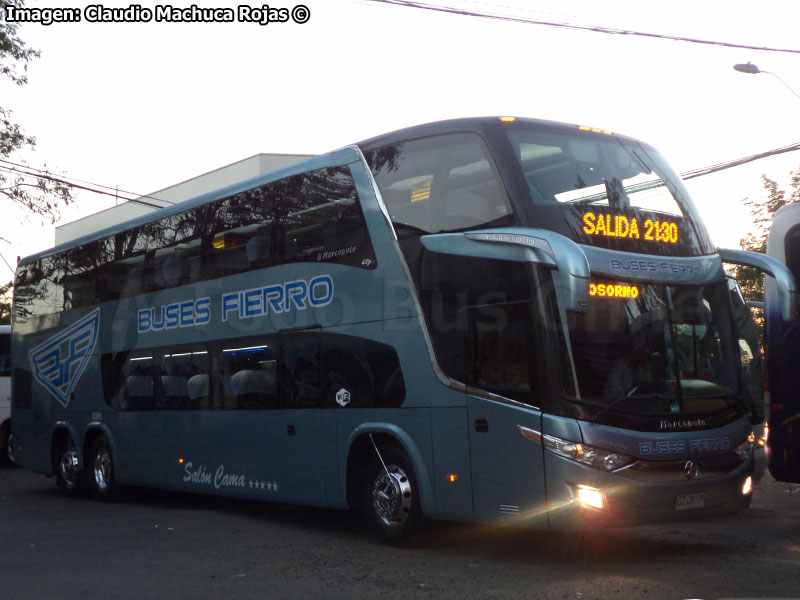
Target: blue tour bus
point(783, 352)
point(475, 319)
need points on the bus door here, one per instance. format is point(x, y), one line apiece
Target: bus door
point(507, 468)
point(309, 424)
point(507, 463)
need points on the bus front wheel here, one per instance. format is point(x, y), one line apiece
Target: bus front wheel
point(101, 477)
point(392, 504)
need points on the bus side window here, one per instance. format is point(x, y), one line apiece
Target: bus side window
point(248, 369)
point(440, 183)
point(320, 220)
point(301, 385)
point(360, 373)
point(113, 370)
point(177, 370)
point(162, 379)
point(499, 354)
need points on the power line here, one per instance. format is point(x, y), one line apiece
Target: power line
point(739, 161)
point(24, 170)
point(592, 28)
point(45, 174)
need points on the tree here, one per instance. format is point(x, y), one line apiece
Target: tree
point(34, 190)
point(763, 212)
point(5, 303)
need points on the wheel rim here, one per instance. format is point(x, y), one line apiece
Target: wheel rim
point(102, 470)
point(10, 448)
point(392, 496)
point(68, 468)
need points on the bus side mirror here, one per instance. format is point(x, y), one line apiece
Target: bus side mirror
point(784, 280)
point(519, 244)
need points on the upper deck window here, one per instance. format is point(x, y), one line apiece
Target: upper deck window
point(311, 217)
point(440, 183)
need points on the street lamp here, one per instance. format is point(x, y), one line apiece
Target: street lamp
point(754, 70)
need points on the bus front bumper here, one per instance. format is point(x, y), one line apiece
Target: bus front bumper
point(582, 497)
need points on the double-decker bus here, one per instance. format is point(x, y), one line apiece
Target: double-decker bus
point(5, 395)
point(477, 319)
point(783, 352)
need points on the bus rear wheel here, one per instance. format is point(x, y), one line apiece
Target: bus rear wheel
point(68, 474)
point(102, 481)
point(392, 505)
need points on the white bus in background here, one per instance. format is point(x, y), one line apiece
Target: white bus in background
point(5, 394)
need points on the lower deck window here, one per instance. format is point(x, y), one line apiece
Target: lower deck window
point(299, 369)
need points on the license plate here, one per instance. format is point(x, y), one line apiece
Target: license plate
point(689, 501)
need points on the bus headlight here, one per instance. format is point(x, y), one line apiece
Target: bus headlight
point(744, 449)
point(599, 458)
point(761, 441)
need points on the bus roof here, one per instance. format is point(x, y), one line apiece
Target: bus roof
point(479, 124)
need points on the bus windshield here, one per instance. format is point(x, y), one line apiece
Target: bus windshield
point(607, 190)
point(656, 349)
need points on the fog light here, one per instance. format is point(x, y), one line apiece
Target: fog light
point(747, 486)
point(589, 496)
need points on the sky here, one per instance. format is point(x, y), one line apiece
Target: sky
point(144, 105)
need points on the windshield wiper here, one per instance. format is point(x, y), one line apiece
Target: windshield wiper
point(619, 399)
point(729, 400)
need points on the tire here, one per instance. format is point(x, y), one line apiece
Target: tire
point(391, 504)
point(10, 450)
point(69, 476)
point(102, 477)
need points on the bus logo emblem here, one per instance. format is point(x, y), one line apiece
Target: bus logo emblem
point(342, 397)
point(690, 470)
point(59, 361)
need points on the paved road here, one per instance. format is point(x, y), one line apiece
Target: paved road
point(161, 545)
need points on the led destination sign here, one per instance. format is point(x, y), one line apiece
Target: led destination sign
point(622, 226)
point(613, 290)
